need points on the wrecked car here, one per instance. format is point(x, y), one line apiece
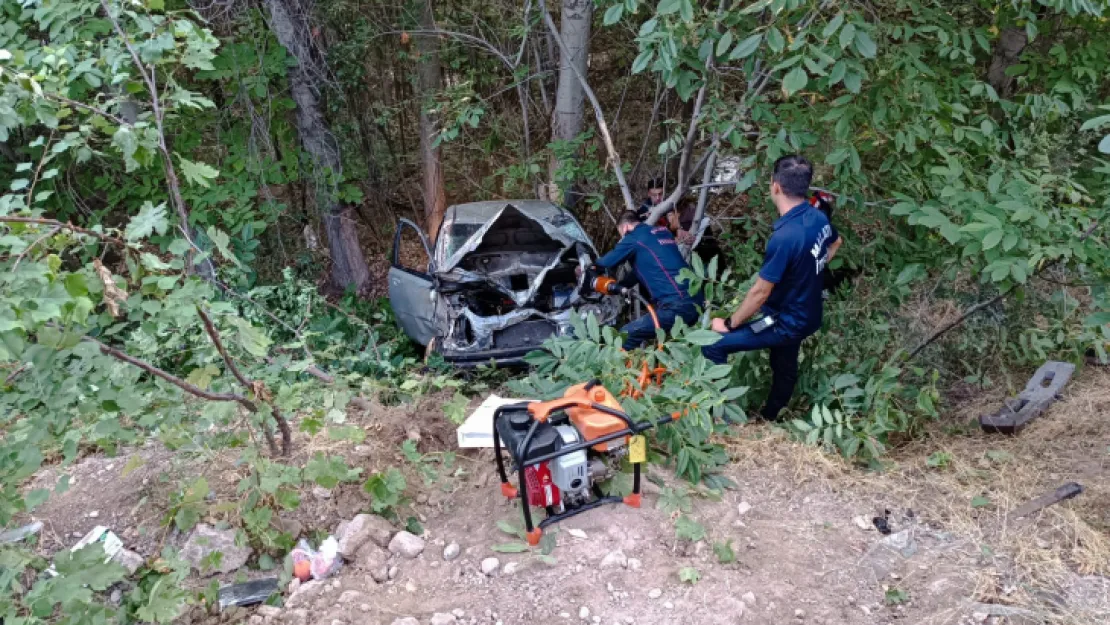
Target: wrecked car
point(499, 281)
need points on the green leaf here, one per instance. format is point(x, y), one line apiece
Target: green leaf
point(127, 143)
point(994, 183)
point(834, 24)
point(847, 35)
point(614, 14)
point(20, 184)
point(837, 72)
point(724, 43)
point(992, 239)
point(1104, 145)
point(689, 529)
point(837, 156)
point(156, 5)
point(198, 173)
point(1095, 122)
point(1097, 319)
point(666, 7)
point(756, 7)
point(223, 244)
point(689, 575)
point(510, 548)
point(745, 48)
point(724, 552)
point(642, 60)
point(150, 219)
point(702, 337)
point(251, 339)
point(775, 39)
point(853, 81)
point(795, 81)
point(865, 45)
point(980, 502)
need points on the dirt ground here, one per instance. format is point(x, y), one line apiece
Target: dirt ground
point(800, 525)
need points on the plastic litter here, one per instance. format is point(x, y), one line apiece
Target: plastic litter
point(248, 593)
point(20, 533)
point(112, 545)
point(316, 563)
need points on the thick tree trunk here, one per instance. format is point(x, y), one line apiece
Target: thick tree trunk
point(431, 81)
point(566, 124)
point(1007, 52)
point(288, 21)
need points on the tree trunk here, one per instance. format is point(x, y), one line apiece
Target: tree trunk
point(1007, 52)
point(566, 124)
point(431, 81)
point(289, 22)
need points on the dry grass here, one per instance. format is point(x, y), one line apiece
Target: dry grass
point(1038, 559)
point(1047, 563)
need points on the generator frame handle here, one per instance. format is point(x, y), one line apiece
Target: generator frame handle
point(521, 460)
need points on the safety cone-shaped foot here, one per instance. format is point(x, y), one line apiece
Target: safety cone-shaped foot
point(534, 536)
point(632, 500)
point(508, 490)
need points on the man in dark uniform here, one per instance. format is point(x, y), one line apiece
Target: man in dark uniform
point(656, 263)
point(655, 196)
point(788, 289)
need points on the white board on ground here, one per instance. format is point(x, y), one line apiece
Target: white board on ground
point(477, 430)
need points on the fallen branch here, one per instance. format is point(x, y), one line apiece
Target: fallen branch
point(253, 386)
point(992, 301)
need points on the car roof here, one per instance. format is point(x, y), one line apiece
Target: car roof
point(481, 212)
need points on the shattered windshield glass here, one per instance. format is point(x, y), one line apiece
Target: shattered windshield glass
point(457, 235)
point(567, 224)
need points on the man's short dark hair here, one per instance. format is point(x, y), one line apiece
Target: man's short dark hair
point(794, 174)
point(628, 218)
point(656, 183)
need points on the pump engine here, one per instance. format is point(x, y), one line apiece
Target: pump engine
point(562, 449)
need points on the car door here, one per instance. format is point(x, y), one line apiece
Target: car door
point(411, 290)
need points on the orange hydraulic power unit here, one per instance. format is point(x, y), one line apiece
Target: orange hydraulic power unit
point(564, 448)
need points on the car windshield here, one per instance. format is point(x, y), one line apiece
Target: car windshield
point(457, 235)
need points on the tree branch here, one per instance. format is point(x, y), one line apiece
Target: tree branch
point(614, 157)
point(997, 298)
point(66, 226)
point(252, 386)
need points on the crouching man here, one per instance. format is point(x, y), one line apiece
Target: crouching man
point(656, 263)
point(788, 289)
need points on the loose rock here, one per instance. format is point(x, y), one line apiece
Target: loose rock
point(320, 492)
point(362, 528)
point(268, 611)
point(408, 620)
point(748, 597)
point(371, 557)
point(206, 540)
point(614, 560)
point(450, 552)
point(655, 593)
point(490, 566)
point(439, 618)
point(634, 564)
point(510, 568)
point(129, 560)
point(863, 523)
point(583, 613)
point(799, 613)
point(577, 533)
point(351, 596)
point(406, 545)
point(744, 508)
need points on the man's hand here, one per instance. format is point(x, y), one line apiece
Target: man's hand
point(718, 325)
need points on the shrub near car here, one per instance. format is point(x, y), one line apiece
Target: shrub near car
point(500, 280)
